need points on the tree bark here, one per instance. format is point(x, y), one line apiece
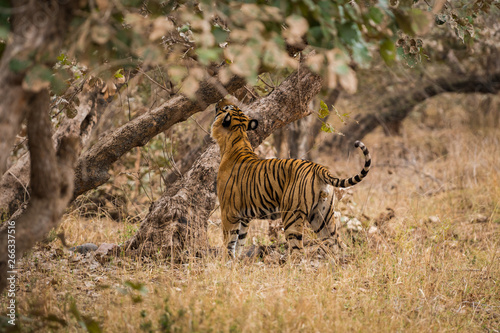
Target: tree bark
point(51, 175)
point(178, 220)
point(393, 110)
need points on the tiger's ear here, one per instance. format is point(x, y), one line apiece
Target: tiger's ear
point(227, 120)
point(252, 124)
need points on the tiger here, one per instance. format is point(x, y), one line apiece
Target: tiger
point(249, 187)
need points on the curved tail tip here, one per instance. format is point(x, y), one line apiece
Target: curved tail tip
point(357, 143)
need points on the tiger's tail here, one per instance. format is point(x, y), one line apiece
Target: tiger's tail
point(337, 182)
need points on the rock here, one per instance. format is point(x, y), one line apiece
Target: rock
point(84, 248)
point(106, 248)
point(373, 229)
point(478, 218)
point(354, 225)
point(433, 219)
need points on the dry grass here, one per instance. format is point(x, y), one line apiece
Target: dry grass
point(433, 267)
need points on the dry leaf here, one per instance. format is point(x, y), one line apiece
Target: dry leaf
point(161, 26)
point(100, 34)
point(190, 86)
point(297, 27)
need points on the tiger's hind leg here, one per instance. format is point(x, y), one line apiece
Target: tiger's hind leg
point(293, 223)
point(325, 221)
point(230, 231)
point(242, 234)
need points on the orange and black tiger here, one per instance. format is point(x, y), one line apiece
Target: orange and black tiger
point(249, 187)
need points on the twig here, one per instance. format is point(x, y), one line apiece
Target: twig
point(251, 93)
point(197, 123)
point(20, 182)
point(154, 81)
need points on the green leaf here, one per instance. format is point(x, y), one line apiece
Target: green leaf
point(206, 56)
point(376, 15)
point(184, 28)
point(342, 69)
point(219, 34)
point(349, 33)
point(315, 36)
point(119, 73)
point(327, 128)
point(323, 110)
point(388, 51)
point(19, 65)
point(360, 53)
point(62, 58)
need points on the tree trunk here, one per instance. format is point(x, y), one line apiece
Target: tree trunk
point(28, 36)
point(391, 111)
point(51, 175)
point(178, 220)
point(14, 185)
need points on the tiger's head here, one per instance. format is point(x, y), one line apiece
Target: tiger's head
point(230, 122)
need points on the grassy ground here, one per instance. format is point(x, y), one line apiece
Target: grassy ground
point(434, 266)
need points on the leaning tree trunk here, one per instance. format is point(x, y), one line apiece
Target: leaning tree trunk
point(178, 220)
point(93, 166)
point(393, 110)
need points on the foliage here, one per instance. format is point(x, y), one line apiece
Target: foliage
point(191, 39)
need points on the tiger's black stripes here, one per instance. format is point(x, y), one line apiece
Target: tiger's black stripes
point(249, 187)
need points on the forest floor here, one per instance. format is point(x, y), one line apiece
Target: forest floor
point(424, 258)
